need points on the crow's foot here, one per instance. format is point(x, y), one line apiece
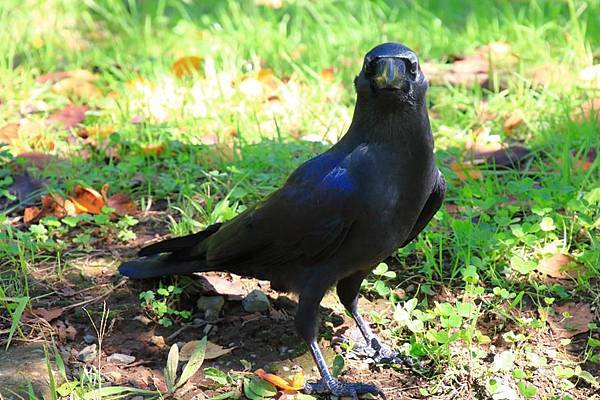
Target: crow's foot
point(334, 387)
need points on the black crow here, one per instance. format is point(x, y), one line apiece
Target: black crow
point(338, 214)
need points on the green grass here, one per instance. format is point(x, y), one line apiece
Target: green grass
point(485, 255)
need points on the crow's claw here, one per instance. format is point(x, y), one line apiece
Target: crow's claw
point(339, 389)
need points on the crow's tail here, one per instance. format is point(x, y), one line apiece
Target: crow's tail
point(177, 259)
point(158, 265)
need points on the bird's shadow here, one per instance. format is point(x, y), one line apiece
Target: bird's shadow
point(265, 340)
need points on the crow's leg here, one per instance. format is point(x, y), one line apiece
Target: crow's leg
point(307, 322)
point(348, 290)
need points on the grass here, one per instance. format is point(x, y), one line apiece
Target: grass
point(202, 148)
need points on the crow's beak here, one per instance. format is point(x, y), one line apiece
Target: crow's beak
point(388, 73)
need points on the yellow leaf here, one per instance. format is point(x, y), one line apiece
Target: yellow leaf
point(466, 171)
point(295, 384)
point(186, 66)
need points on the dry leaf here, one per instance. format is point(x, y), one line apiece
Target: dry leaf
point(36, 160)
point(31, 214)
point(561, 266)
point(87, 200)
point(186, 66)
point(327, 74)
point(48, 314)
point(513, 121)
point(122, 204)
point(52, 77)
point(267, 77)
point(78, 84)
point(466, 171)
point(70, 116)
point(8, 133)
point(212, 352)
point(295, 384)
point(547, 74)
point(217, 283)
point(96, 132)
point(580, 315)
point(154, 149)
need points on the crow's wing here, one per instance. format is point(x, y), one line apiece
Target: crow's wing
point(306, 220)
point(433, 204)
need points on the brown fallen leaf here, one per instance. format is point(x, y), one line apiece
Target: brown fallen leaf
point(230, 287)
point(154, 149)
point(513, 121)
point(466, 171)
point(87, 200)
point(70, 116)
point(327, 74)
point(452, 208)
point(31, 214)
point(52, 77)
point(267, 77)
point(212, 352)
point(186, 66)
point(96, 132)
point(561, 266)
point(122, 204)
point(9, 132)
point(77, 83)
point(579, 315)
point(49, 314)
point(34, 159)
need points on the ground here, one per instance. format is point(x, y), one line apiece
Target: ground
point(124, 122)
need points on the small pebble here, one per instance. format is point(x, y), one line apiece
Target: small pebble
point(118, 358)
point(89, 339)
point(211, 306)
point(256, 301)
point(87, 354)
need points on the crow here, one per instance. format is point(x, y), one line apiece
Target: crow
point(336, 216)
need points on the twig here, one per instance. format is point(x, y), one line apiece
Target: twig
point(103, 295)
point(183, 328)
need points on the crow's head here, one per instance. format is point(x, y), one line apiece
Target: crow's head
point(391, 73)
